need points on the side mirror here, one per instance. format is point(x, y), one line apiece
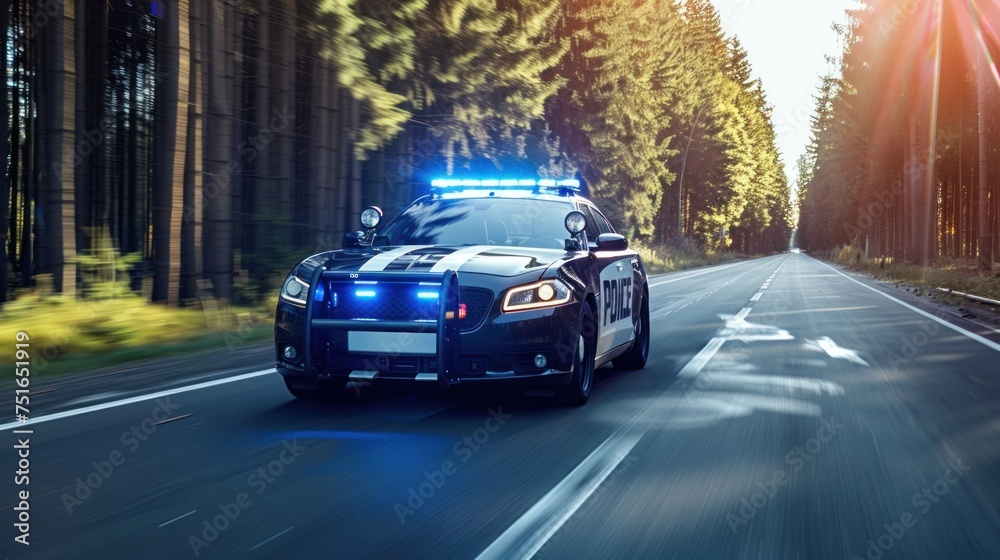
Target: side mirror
point(611, 242)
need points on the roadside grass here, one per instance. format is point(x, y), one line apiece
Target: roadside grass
point(660, 259)
point(961, 275)
point(70, 335)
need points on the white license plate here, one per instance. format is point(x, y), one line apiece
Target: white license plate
point(392, 343)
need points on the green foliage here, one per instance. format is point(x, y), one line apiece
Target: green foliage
point(483, 75)
point(372, 45)
point(623, 73)
point(104, 272)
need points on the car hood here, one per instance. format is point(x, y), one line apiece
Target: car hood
point(492, 260)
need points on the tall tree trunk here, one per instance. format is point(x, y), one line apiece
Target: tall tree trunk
point(16, 175)
point(5, 142)
point(90, 45)
point(218, 193)
point(173, 59)
point(261, 196)
point(344, 158)
point(335, 213)
point(191, 226)
point(133, 229)
point(32, 146)
point(985, 239)
point(281, 82)
point(57, 189)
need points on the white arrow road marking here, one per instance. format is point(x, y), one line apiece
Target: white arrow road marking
point(827, 345)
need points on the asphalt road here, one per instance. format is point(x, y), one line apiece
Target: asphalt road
point(787, 411)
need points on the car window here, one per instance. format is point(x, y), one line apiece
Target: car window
point(592, 229)
point(603, 225)
point(481, 221)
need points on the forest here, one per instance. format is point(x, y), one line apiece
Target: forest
point(905, 155)
point(208, 145)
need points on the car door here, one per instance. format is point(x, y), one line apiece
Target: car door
point(615, 299)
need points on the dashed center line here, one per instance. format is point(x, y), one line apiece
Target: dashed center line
point(176, 519)
point(258, 545)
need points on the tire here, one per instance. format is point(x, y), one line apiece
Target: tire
point(636, 357)
point(310, 390)
point(582, 382)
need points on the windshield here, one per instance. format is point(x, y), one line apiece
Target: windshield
point(481, 221)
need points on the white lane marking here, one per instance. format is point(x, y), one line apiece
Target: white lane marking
point(458, 258)
point(176, 519)
point(824, 310)
point(256, 546)
point(531, 531)
point(382, 260)
point(701, 359)
point(696, 274)
point(174, 419)
point(984, 341)
point(132, 400)
point(91, 398)
point(757, 296)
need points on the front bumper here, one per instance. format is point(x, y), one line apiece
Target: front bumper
point(502, 348)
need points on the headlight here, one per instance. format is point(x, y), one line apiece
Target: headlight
point(547, 293)
point(294, 291)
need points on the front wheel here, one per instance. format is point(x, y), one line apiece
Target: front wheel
point(578, 390)
point(312, 390)
point(636, 357)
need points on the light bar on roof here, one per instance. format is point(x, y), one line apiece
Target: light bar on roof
point(492, 183)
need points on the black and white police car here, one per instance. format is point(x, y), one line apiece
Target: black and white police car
point(515, 281)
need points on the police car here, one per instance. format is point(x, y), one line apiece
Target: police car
point(481, 281)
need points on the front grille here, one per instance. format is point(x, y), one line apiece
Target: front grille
point(379, 302)
point(477, 305)
point(388, 301)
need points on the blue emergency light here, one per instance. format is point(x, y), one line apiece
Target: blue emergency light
point(533, 184)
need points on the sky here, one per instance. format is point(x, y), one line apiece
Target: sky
point(787, 42)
